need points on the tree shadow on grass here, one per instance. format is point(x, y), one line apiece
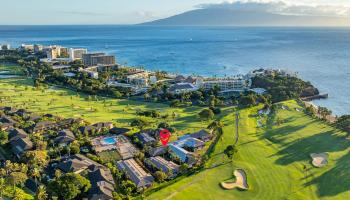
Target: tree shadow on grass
point(189, 118)
point(21, 81)
point(277, 135)
point(300, 149)
point(147, 105)
point(334, 181)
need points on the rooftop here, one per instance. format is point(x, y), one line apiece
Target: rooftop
point(162, 164)
point(145, 138)
point(136, 173)
point(181, 86)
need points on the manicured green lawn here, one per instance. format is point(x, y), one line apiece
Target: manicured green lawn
point(273, 158)
point(109, 156)
point(20, 93)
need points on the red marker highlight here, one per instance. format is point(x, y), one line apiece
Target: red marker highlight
point(164, 136)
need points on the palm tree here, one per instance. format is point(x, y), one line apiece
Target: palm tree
point(41, 193)
point(35, 173)
point(18, 194)
point(216, 126)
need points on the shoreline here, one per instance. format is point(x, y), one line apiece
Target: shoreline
point(330, 118)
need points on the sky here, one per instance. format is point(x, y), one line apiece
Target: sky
point(43, 12)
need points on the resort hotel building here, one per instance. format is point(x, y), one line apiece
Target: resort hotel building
point(93, 59)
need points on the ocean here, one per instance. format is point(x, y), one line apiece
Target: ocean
point(319, 55)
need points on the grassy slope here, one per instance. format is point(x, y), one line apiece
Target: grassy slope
point(274, 160)
point(65, 103)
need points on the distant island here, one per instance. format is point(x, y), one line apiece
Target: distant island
point(237, 16)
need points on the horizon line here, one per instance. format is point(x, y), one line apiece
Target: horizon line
point(145, 25)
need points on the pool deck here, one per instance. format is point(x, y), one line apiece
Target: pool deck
point(99, 145)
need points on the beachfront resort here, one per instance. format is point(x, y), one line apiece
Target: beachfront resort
point(135, 80)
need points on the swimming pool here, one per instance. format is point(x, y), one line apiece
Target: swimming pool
point(109, 140)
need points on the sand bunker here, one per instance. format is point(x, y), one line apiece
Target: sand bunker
point(241, 181)
point(319, 159)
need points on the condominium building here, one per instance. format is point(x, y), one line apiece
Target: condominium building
point(76, 54)
point(87, 58)
point(163, 165)
point(53, 52)
point(103, 60)
point(238, 83)
point(91, 59)
point(179, 152)
point(64, 52)
point(38, 48)
point(136, 173)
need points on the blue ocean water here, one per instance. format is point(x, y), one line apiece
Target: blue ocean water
point(320, 55)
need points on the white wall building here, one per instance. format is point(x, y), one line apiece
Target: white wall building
point(140, 79)
point(92, 74)
point(229, 84)
point(76, 54)
point(53, 52)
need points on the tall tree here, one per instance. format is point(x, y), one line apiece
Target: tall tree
point(18, 195)
point(35, 173)
point(216, 126)
point(17, 178)
point(206, 114)
point(160, 176)
point(41, 193)
point(230, 151)
point(37, 158)
point(70, 185)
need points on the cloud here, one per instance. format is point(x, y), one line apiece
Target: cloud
point(82, 13)
point(282, 7)
point(146, 14)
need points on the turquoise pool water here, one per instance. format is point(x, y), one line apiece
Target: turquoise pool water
point(109, 140)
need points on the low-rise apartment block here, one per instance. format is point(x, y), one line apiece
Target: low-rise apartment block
point(136, 173)
point(163, 165)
